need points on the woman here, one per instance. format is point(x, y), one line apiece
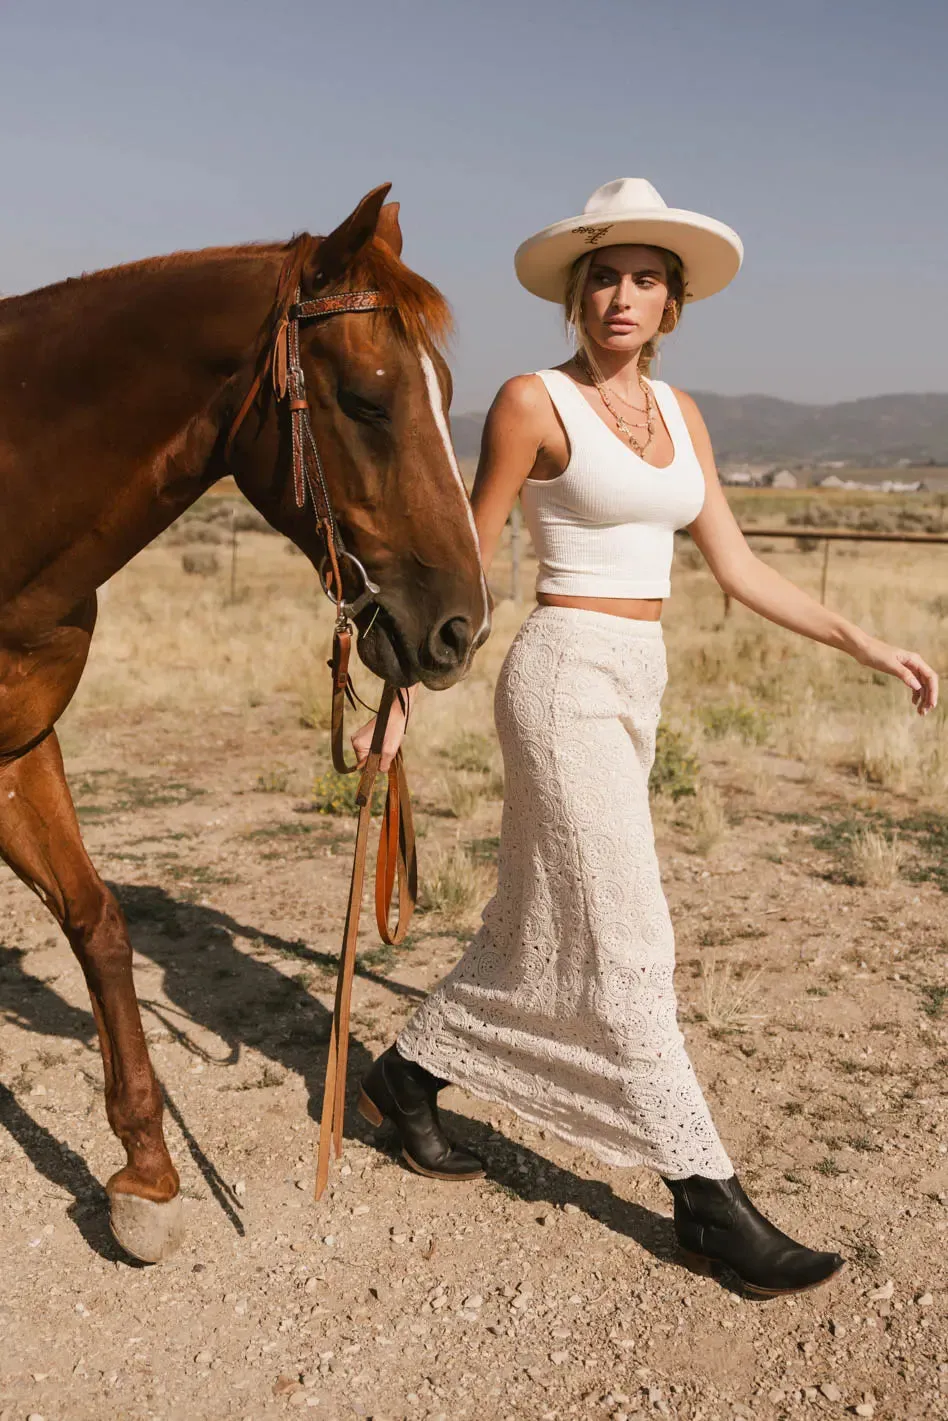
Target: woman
point(563, 1006)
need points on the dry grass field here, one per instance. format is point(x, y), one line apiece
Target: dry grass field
point(802, 818)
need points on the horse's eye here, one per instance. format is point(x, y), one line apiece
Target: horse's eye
point(358, 408)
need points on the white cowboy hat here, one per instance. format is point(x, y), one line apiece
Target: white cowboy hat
point(629, 210)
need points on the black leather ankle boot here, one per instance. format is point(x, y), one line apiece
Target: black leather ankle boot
point(405, 1094)
point(716, 1223)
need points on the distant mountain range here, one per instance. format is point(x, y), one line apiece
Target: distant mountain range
point(880, 430)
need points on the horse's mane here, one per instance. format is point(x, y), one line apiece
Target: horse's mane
point(420, 312)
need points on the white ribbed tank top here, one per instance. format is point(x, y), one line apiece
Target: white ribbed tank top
point(605, 526)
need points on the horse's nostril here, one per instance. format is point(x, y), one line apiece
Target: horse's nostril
point(450, 643)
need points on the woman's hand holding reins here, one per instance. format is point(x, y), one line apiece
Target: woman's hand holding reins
point(907, 666)
point(361, 741)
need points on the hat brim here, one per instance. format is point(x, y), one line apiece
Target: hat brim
point(710, 251)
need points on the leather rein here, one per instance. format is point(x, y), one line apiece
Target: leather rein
point(396, 860)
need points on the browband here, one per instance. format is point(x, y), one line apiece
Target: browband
point(338, 305)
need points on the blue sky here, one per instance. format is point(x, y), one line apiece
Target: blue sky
point(816, 130)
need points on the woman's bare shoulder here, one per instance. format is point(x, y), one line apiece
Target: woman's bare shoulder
point(522, 403)
point(521, 394)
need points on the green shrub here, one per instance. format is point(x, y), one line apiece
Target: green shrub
point(749, 725)
point(336, 794)
point(472, 751)
point(675, 771)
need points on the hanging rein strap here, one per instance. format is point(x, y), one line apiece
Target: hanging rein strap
point(396, 860)
point(396, 854)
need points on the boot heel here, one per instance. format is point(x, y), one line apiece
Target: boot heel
point(369, 1110)
point(697, 1263)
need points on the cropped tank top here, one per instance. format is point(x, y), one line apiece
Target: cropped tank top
point(605, 526)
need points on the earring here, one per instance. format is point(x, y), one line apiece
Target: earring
point(669, 318)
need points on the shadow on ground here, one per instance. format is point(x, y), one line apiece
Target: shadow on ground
point(211, 984)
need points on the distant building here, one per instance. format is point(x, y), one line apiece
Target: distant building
point(883, 486)
point(897, 486)
point(738, 478)
point(782, 478)
point(746, 475)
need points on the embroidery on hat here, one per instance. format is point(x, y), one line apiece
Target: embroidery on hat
point(594, 234)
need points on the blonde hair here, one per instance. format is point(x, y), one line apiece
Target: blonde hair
point(576, 324)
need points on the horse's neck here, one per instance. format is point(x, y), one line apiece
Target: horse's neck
point(112, 392)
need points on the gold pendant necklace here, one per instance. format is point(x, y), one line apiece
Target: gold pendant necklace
point(623, 425)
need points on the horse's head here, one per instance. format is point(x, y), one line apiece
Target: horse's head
point(378, 391)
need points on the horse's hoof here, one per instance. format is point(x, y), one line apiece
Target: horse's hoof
point(149, 1231)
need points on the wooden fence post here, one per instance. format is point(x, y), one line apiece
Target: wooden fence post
point(826, 558)
point(515, 539)
point(233, 555)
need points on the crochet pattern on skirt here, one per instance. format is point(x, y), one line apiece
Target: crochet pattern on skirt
point(563, 1006)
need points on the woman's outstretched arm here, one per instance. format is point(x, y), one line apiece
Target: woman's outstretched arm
point(745, 577)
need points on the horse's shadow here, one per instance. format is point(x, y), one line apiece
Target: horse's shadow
point(275, 1014)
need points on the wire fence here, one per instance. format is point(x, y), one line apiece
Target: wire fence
point(828, 536)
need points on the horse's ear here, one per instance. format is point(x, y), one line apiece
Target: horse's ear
point(388, 229)
point(335, 252)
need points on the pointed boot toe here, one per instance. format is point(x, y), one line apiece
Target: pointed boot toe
point(716, 1224)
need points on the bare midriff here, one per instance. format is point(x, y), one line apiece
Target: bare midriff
point(645, 609)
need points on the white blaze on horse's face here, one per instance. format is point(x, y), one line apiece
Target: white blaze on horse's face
point(437, 409)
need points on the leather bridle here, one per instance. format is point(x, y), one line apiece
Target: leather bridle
point(396, 860)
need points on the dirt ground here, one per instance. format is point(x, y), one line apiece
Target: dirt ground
point(814, 1007)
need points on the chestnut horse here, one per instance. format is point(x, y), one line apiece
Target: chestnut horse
point(124, 395)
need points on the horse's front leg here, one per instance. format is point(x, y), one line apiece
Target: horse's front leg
point(40, 840)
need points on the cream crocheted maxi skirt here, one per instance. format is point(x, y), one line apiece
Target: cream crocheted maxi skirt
point(563, 1006)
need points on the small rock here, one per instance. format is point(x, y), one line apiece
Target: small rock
point(240, 1188)
point(311, 1285)
point(571, 1209)
point(558, 1358)
point(925, 1301)
point(865, 1408)
point(360, 1209)
point(474, 1301)
point(883, 1294)
point(204, 1359)
point(831, 1391)
point(329, 1240)
point(284, 1386)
